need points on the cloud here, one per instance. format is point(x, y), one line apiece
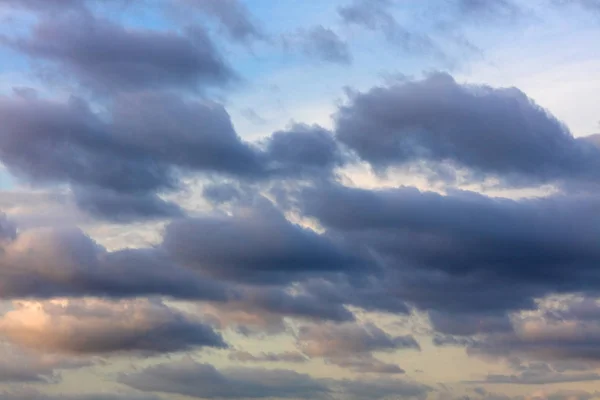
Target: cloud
point(569, 338)
point(263, 310)
point(461, 252)
point(342, 340)
point(43, 5)
point(303, 150)
point(117, 168)
point(491, 132)
point(384, 388)
point(233, 16)
point(19, 366)
point(196, 380)
point(46, 263)
point(257, 245)
point(322, 44)
point(130, 59)
point(287, 357)
point(101, 327)
point(525, 379)
point(32, 394)
point(376, 15)
point(351, 345)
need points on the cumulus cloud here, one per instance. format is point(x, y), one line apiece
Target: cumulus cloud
point(101, 327)
point(444, 251)
point(46, 263)
point(492, 132)
point(134, 59)
point(256, 244)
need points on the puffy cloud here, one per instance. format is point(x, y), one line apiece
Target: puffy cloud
point(256, 244)
point(303, 150)
point(133, 59)
point(205, 381)
point(45, 263)
point(491, 132)
point(100, 327)
point(462, 251)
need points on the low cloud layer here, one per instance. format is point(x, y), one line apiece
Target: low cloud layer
point(97, 327)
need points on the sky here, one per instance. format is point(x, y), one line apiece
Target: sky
point(260, 199)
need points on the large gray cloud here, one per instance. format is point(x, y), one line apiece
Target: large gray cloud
point(443, 251)
point(105, 56)
point(491, 132)
point(118, 167)
point(257, 245)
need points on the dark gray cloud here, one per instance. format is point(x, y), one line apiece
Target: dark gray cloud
point(303, 150)
point(117, 168)
point(205, 381)
point(124, 207)
point(104, 56)
point(194, 135)
point(324, 44)
point(491, 132)
point(257, 245)
point(102, 327)
point(288, 357)
point(233, 15)
point(444, 251)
